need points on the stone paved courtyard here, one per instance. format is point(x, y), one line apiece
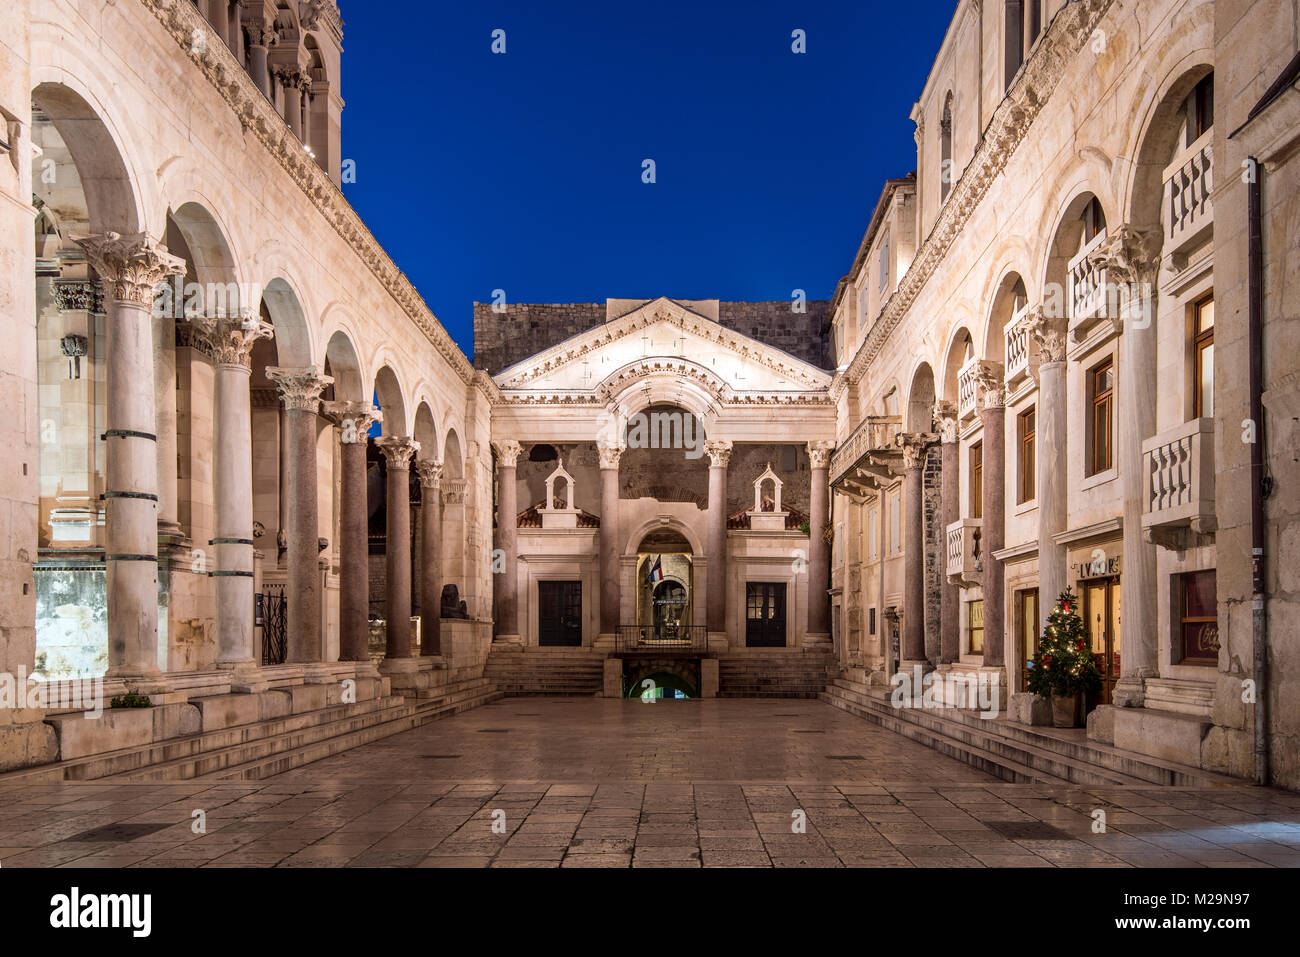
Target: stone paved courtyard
point(577, 782)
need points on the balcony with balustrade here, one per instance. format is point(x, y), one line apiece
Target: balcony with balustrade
point(1178, 473)
point(1087, 290)
point(869, 457)
point(967, 391)
point(962, 548)
point(1189, 212)
point(1016, 340)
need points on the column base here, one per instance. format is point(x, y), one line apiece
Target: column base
point(399, 666)
point(1129, 692)
point(605, 641)
point(501, 641)
point(718, 641)
point(363, 669)
point(245, 677)
point(817, 639)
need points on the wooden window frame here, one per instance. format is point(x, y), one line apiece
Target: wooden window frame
point(977, 479)
point(1097, 401)
point(1027, 431)
point(1201, 340)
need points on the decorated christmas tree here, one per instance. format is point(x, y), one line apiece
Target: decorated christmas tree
point(1063, 665)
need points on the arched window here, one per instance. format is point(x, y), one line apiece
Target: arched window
point(945, 149)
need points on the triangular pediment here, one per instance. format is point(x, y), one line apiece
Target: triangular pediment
point(663, 335)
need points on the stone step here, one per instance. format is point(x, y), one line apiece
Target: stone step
point(768, 675)
point(1022, 753)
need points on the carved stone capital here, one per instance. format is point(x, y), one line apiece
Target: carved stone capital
point(77, 295)
point(945, 417)
point(508, 452)
point(1048, 332)
point(819, 453)
point(1129, 254)
point(719, 451)
point(430, 474)
point(230, 341)
point(914, 446)
point(990, 387)
point(453, 491)
point(352, 419)
point(300, 389)
point(398, 450)
point(609, 455)
point(130, 265)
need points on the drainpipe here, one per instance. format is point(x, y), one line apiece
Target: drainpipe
point(1254, 337)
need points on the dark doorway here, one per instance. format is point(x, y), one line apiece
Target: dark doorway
point(765, 614)
point(559, 614)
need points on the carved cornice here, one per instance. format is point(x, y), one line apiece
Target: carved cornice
point(257, 116)
point(719, 451)
point(819, 453)
point(131, 265)
point(352, 419)
point(300, 389)
point(229, 341)
point(1067, 34)
point(508, 452)
point(398, 450)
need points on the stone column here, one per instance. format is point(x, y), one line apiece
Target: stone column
point(611, 591)
point(991, 401)
point(1051, 416)
point(130, 267)
point(430, 557)
point(353, 420)
point(230, 342)
point(819, 559)
point(914, 446)
point(507, 539)
point(235, 30)
point(945, 415)
point(398, 451)
point(719, 455)
point(259, 39)
point(305, 93)
point(290, 101)
point(164, 382)
point(1131, 257)
point(219, 17)
point(301, 389)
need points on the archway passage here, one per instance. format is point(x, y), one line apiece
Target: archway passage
point(665, 579)
point(644, 684)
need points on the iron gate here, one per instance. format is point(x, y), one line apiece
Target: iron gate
point(275, 645)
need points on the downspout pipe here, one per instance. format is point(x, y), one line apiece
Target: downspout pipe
point(1254, 342)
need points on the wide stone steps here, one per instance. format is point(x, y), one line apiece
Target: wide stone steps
point(546, 672)
point(279, 743)
point(772, 676)
point(1013, 752)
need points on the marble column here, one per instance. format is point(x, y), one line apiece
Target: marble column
point(819, 559)
point(507, 539)
point(290, 100)
point(719, 456)
point(259, 39)
point(352, 421)
point(235, 29)
point(229, 341)
point(915, 446)
point(430, 557)
point(611, 591)
point(398, 451)
point(1051, 417)
point(164, 383)
point(130, 267)
point(945, 415)
point(1131, 258)
point(300, 390)
point(991, 400)
point(219, 17)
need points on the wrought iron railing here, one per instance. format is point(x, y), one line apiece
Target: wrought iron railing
point(275, 640)
point(649, 638)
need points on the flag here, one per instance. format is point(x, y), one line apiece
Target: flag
point(656, 571)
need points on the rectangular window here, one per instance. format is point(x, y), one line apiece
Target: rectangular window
point(895, 523)
point(1027, 607)
point(1203, 353)
point(884, 263)
point(975, 626)
point(1025, 427)
point(1200, 109)
point(871, 621)
point(1101, 399)
point(1199, 621)
point(873, 534)
point(977, 480)
point(1013, 36)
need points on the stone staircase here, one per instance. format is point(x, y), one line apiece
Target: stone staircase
point(263, 748)
point(1015, 752)
point(546, 671)
point(754, 674)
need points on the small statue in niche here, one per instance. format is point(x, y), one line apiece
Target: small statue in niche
point(452, 606)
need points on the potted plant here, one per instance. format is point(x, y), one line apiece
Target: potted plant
point(1063, 668)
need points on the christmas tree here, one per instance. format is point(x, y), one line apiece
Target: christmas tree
point(1063, 664)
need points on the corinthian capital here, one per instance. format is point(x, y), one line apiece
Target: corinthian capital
point(945, 417)
point(719, 451)
point(229, 341)
point(1048, 332)
point(819, 453)
point(914, 446)
point(352, 419)
point(609, 454)
point(430, 474)
point(508, 452)
point(991, 390)
point(299, 388)
point(130, 265)
point(1129, 254)
point(398, 450)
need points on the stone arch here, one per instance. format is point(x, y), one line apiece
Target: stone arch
point(1010, 295)
point(632, 543)
point(961, 346)
point(426, 432)
point(390, 398)
point(345, 368)
point(920, 400)
point(212, 285)
point(282, 307)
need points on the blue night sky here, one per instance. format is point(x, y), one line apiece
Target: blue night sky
point(523, 171)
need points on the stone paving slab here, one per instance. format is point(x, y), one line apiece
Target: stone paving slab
point(579, 782)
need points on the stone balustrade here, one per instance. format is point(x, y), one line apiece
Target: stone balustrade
point(962, 550)
point(1189, 181)
point(1178, 471)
